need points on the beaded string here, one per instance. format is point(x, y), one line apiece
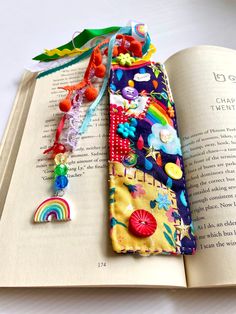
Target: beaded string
point(56, 206)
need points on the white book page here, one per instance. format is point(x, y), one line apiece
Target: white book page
point(203, 82)
point(79, 252)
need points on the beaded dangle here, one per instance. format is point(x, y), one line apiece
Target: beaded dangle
point(56, 207)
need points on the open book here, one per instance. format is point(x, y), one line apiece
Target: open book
point(79, 253)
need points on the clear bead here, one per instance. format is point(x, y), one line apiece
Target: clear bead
point(61, 159)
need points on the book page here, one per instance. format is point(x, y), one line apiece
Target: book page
point(203, 82)
point(79, 252)
point(10, 143)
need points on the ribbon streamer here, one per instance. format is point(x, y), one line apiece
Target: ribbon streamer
point(79, 41)
point(93, 106)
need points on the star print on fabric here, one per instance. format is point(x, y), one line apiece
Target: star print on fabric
point(151, 152)
point(163, 201)
point(183, 229)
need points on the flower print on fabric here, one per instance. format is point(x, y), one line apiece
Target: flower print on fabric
point(116, 109)
point(165, 138)
point(135, 190)
point(170, 214)
point(136, 107)
point(162, 201)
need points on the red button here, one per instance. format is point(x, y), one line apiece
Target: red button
point(142, 223)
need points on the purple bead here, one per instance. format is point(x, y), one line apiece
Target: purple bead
point(129, 93)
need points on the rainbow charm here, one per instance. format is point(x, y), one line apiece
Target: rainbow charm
point(53, 207)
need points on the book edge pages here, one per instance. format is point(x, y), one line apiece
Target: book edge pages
point(179, 54)
point(12, 136)
point(209, 47)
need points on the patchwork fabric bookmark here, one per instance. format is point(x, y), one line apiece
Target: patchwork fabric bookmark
point(149, 210)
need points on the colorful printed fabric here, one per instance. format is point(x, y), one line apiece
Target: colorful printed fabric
point(148, 201)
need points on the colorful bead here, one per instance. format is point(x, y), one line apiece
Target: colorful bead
point(142, 223)
point(59, 148)
point(60, 159)
point(60, 182)
point(61, 170)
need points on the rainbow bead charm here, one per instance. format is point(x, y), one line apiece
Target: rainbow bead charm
point(54, 207)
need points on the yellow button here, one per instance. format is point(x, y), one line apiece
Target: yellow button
point(173, 171)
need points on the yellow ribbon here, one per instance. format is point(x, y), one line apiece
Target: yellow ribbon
point(64, 52)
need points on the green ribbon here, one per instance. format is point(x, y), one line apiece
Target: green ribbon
point(79, 41)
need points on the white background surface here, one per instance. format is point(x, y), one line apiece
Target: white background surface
point(26, 27)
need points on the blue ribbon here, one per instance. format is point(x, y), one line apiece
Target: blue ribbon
point(146, 44)
point(93, 106)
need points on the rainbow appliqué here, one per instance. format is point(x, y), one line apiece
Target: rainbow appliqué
point(156, 113)
point(56, 208)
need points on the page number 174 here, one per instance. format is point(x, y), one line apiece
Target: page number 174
point(102, 264)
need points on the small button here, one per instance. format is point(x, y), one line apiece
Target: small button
point(165, 136)
point(142, 224)
point(130, 160)
point(129, 93)
point(173, 171)
point(125, 59)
